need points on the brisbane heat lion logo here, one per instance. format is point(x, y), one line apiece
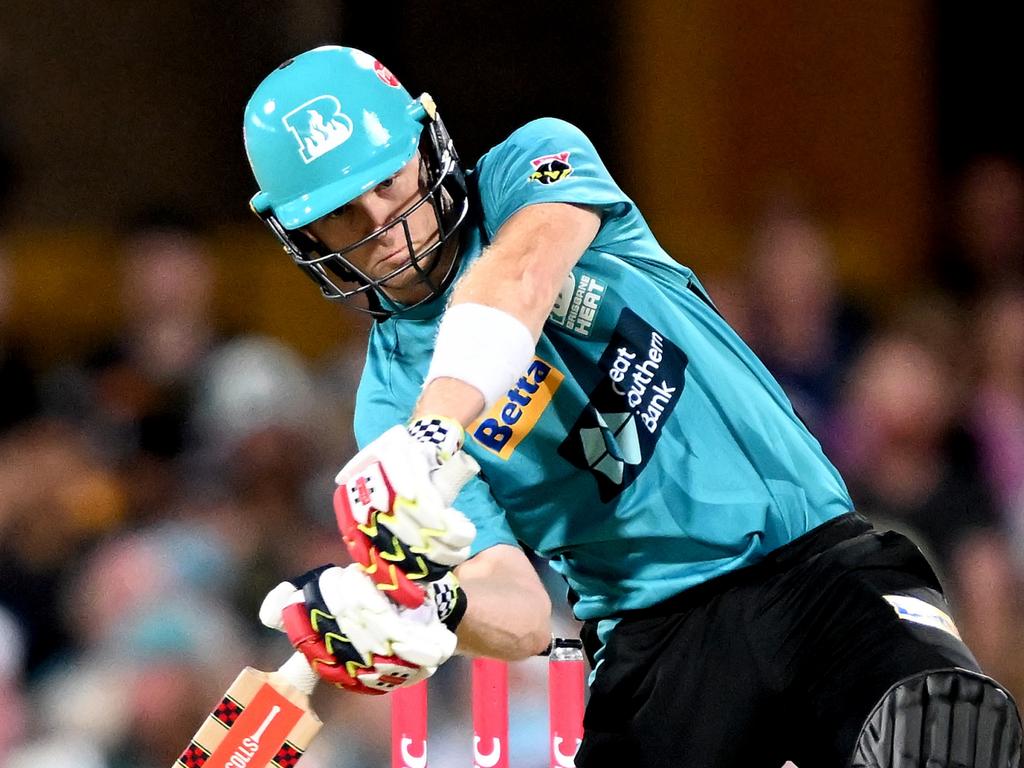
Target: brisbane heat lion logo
point(551, 169)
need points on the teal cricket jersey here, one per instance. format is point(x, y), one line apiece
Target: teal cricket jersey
point(645, 449)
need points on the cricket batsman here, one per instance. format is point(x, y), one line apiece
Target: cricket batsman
point(738, 611)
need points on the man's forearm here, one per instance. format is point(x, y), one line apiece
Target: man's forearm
point(503, 621)
point(452, 398)
point(508, 614)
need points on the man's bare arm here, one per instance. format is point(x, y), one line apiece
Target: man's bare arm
point(521, 274)
point(508, 614)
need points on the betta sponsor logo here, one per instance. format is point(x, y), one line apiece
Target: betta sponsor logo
point(643, 378)
point(509, 420)
point(550, 169)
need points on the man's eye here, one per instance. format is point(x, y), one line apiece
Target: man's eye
point(386, 183)
point(337, 213)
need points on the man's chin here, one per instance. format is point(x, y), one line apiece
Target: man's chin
point(408, 287)
point(414, 282)
point(405, 279)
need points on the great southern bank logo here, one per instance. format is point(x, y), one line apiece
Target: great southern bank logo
point(318, 126)
point(643, 375)
point(510, 419)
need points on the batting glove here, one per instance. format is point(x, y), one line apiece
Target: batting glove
point(353, 636)
point(393, 505)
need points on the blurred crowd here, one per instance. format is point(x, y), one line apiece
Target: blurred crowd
point(152, 490)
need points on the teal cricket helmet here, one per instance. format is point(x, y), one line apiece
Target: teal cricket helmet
point(329, 125)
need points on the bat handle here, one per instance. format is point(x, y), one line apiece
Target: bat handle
point(299, 674)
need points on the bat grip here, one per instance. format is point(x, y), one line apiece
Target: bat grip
point(299, 674)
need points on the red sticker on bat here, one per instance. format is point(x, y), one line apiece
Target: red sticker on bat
point(259, 732)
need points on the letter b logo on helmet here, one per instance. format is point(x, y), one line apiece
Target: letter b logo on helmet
point(318, 126)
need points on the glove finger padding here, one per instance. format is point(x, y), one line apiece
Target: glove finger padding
point(352, 635)
point(376, 624)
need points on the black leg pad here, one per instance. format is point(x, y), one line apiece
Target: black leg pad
point(948, 718)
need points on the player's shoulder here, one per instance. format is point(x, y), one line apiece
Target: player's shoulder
point(537, 137)
point(543, 129)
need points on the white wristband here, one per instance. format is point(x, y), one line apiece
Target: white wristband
point(485, 347)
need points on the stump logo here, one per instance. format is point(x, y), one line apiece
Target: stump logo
point(318, 126)
point(409, 760)
point(486, 759)
point(643, 378)
point(550, 169)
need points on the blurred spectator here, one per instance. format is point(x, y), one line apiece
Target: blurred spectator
point(338, 380)
point(14, 712)
point(55, 500)
point(985, 249)
point(903, 449)
point(135, 395)
point(148, 614)
point(997, 416)
point(260, 423)
point(800, 324)
point(911, 466)
point(187, 662)
point(166, 292)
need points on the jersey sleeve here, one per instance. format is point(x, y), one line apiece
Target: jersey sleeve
point(476, 502)
point(546, 161)
point(375, 414)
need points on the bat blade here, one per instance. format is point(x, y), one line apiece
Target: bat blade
point(264, 720)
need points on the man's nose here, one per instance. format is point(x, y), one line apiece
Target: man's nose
point(378, 212)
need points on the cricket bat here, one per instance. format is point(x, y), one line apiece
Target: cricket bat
point(264, 720)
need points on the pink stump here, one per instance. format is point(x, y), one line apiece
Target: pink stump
point(566, 676)
point(490, 713)
point(409, 727)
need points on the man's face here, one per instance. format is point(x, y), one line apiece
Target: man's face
point(388, 251)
